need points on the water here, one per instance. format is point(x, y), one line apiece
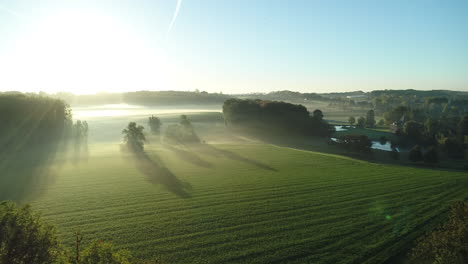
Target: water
point(341, 128)
point(387, 146)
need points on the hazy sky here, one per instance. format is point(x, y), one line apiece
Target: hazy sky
point(233, 45)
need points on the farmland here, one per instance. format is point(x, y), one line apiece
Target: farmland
point(235, 200)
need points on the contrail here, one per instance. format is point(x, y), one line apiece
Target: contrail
point(176, 13)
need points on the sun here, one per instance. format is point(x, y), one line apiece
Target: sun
point(82, 51)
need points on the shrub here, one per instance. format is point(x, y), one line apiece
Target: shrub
point(102, 252)
point(394, 154)
point(431, 156)
point(361, 122)
point(449, 242)
point(25, 238)
point(415, 154)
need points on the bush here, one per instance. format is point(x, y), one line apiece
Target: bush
point(415, 154)
point(448, 243)
point(394, 154)
point(101, 252)
point(25, 238)
point(361, 122)
point(431, 156)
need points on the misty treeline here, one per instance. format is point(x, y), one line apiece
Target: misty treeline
point(148, 98)
point(31, 119)
point(182, 132)
point(275, 117)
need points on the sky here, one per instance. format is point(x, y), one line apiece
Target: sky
point(233, 46)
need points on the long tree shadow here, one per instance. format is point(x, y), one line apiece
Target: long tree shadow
point(27, 171)
point(156, 172)
point(189, 156)
point(211, 150)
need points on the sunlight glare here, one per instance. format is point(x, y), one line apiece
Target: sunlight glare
point(84, 52)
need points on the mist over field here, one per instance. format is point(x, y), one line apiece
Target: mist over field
point(180, 132)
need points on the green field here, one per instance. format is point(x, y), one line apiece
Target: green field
point(248, 203)
point(233, 200)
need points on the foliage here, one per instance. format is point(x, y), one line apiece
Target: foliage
point(359, 143)
point(431, 156)
point(134, 137)
point(396, 114)
point(25, 238)
point(99, 252)
point(414, 130)
point(415, 154)
point(155, 124)
point(182, 132)
point(361, 122)
point(351, 120)
point(394, 154)
point(370, 118)
point(275, 117)
point(448, 244)
point(463, 129)
point(31, 119)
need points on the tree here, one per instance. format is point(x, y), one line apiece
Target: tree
point(351, 120)
point(431, 156)
point(447, 244)
point(182, 132)
point(185, 122)
point(370, 118)
point(463, 129)
point(414, 130)
point(361, 122)
point(431, 127)
point(134, 137)
point(154, 124)
point(25, 239)
point(415, 154)
point(317, 114)
point(381, 122)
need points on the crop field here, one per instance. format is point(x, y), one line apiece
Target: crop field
point(233, 200)
point(246, 203)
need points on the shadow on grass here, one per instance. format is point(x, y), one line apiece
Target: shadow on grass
point(217, 152)
point(27, 171)
point(189, 156)
point(156, 172)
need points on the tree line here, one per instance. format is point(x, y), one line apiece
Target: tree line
point(275, 117)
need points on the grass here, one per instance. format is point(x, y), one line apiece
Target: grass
point(246, 202)
point(234, 200)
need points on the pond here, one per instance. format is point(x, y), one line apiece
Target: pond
point(387, 146)
point(341, 128)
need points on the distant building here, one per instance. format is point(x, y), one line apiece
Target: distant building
point(398, 125)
